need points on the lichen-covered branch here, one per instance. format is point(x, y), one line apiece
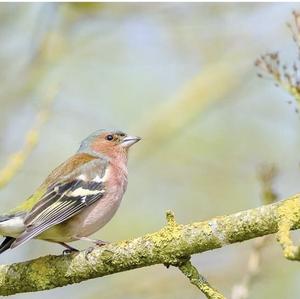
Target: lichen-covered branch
point(199, 281)
point(186, 267)
point(166, 246)
point(288, 217)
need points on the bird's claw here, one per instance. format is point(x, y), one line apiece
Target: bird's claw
point(69, 251)
point(101, 243)
point(88, 251)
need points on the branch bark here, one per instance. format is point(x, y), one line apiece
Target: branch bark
point(199, 281)
point(169, 246)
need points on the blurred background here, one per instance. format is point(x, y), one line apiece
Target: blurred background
point(182, 76)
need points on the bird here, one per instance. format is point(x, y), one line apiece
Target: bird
point(77, 198)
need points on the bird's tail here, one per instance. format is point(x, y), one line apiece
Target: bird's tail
point(6, 244)
point(10, 227)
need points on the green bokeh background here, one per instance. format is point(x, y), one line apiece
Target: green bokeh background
point(182, 77)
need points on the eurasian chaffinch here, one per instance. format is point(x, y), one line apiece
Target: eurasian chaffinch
point(78, 197)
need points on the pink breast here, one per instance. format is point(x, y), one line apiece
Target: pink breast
point(97, 215)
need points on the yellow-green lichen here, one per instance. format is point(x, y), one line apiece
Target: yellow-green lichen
point(289, 215)
point(199, 281)
point(172, 245)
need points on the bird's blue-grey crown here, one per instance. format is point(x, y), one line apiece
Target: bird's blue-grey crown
point(124, 140)
point(85, 143)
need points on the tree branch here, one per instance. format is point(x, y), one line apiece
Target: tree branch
point(199, 281)
point(288, 217)
point(186, 267)
point(166, 246)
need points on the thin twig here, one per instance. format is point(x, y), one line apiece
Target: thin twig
point(285, 75)
point(185, 266)
point(199, 281)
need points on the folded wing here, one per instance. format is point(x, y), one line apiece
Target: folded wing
point(64, 200)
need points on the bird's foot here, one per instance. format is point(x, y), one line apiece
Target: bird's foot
point(69, 249)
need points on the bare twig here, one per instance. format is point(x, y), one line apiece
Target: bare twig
point(267, 173)
point(285, 75)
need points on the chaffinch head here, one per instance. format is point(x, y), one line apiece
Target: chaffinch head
point(78, 197)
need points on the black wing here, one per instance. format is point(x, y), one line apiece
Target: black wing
point(60, 202)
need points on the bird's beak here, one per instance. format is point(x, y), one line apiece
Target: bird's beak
point(130, 140)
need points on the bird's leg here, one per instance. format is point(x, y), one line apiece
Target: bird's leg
point(69, 249)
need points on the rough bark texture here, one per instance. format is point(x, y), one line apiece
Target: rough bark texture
point(172, 245)
point(199, 281)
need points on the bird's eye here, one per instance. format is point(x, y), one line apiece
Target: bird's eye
point(109, 137)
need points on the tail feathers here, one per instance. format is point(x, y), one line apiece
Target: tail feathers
point(8, 241)
point(4, 218)
point(10, 227)
point(24, 237)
